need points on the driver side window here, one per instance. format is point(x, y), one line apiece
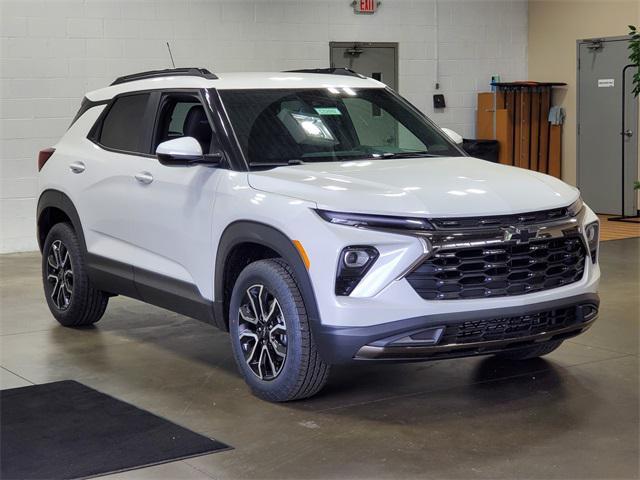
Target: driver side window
point(183, 116)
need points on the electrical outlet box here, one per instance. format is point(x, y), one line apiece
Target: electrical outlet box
point(438, 101)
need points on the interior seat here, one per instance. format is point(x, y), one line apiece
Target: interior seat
point(196, 125)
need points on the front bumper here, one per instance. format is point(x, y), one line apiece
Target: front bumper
point(424, 338)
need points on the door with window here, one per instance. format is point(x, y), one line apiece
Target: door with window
point(378, 60)
point(120, 137)
point(172, 206)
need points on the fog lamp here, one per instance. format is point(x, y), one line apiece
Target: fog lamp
point(592, 235)
point(354, 263)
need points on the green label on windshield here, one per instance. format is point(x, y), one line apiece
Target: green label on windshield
point(327, 111)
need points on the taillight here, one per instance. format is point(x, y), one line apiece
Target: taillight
point(43, 156)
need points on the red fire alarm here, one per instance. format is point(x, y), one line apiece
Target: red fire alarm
point(365, 6)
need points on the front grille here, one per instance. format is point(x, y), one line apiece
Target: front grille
point(500, 220)
point(499, 270)
point(508, 328)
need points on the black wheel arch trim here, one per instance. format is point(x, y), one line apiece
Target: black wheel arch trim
point(56, 199)
point(247, 231)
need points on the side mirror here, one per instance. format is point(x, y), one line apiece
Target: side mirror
point(453, 136)
point(185, 151)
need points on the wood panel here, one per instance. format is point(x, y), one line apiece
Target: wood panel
point(617, 230)
point(543, 145)
point(484, 116)
point(518, 120)
point(525, 128)
point(517, 127)
point(504, 135)
point(500, 99)
point(535, 130)
point(555, 150)
point(509, 104)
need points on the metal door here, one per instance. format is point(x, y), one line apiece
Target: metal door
point(602, 134)
point(376, 60)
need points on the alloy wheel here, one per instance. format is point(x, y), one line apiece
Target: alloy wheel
point(60, 274)
point(262, 332)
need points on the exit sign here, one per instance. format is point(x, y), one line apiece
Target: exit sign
point(365, 6)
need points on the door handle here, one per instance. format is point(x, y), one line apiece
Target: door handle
point(144, 177)
point(627, 133)
point(77, 167)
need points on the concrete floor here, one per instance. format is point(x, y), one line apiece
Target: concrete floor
point(573, 414)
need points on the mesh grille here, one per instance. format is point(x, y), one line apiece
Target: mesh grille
point(497, 271)
point(509, 327)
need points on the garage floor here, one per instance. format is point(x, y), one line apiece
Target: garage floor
point(573, 414)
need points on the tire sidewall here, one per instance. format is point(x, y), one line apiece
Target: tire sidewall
point(263, 273)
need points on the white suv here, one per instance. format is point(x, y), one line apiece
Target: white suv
point(315, 215)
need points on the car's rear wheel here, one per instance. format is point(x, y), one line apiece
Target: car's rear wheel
point(73, 301)
point(272, 342)
point(530, 352)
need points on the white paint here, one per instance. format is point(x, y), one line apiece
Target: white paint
point(439, 187)
point(241, 81)
point(53, 52)
point(173, 226)
point(186, 146)
point(454, 136)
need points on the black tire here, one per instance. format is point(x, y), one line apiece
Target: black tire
point(530, 352)
point(302, 373)
point(80, 304)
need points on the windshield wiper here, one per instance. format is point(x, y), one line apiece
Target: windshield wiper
point(408, 154)
point(293, 161)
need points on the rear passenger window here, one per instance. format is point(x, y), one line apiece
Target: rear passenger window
point(123, 126)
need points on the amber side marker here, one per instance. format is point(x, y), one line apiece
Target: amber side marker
point(303, 253)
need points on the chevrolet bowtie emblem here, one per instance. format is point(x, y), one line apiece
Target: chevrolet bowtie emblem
point(520, 235)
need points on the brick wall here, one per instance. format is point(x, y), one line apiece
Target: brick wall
point(52, 52)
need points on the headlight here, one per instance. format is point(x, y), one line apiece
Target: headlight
point(353, 265)
point(592, 234)
point(575, 207)
point(374, 221)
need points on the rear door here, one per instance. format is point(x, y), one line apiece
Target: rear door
point(103, 203)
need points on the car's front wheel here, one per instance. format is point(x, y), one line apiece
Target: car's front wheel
point(71, 297)
point(272, 342)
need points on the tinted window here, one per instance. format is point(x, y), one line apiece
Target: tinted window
point(330, 124)
point(183, 116)
point(123, 127)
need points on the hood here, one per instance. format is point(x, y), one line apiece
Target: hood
point(442, 186)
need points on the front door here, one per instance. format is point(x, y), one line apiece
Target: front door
point(173, 208)
point(602, 132)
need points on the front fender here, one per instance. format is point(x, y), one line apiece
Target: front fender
point(244, 231)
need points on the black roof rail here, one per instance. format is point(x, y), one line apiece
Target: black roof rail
point(169, 72)
point(329, 71)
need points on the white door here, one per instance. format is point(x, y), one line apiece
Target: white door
point(172, 207)
point(107, 177)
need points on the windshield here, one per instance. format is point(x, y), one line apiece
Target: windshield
point(288, 127)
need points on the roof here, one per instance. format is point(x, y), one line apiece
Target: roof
point(237, 81)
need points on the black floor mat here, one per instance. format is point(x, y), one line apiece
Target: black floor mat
point(66, 430)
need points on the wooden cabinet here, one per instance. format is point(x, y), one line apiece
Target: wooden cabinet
point(517, 115)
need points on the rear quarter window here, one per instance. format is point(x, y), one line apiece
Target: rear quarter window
point(123, 126)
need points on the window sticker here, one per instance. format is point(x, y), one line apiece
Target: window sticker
point(327, 111)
